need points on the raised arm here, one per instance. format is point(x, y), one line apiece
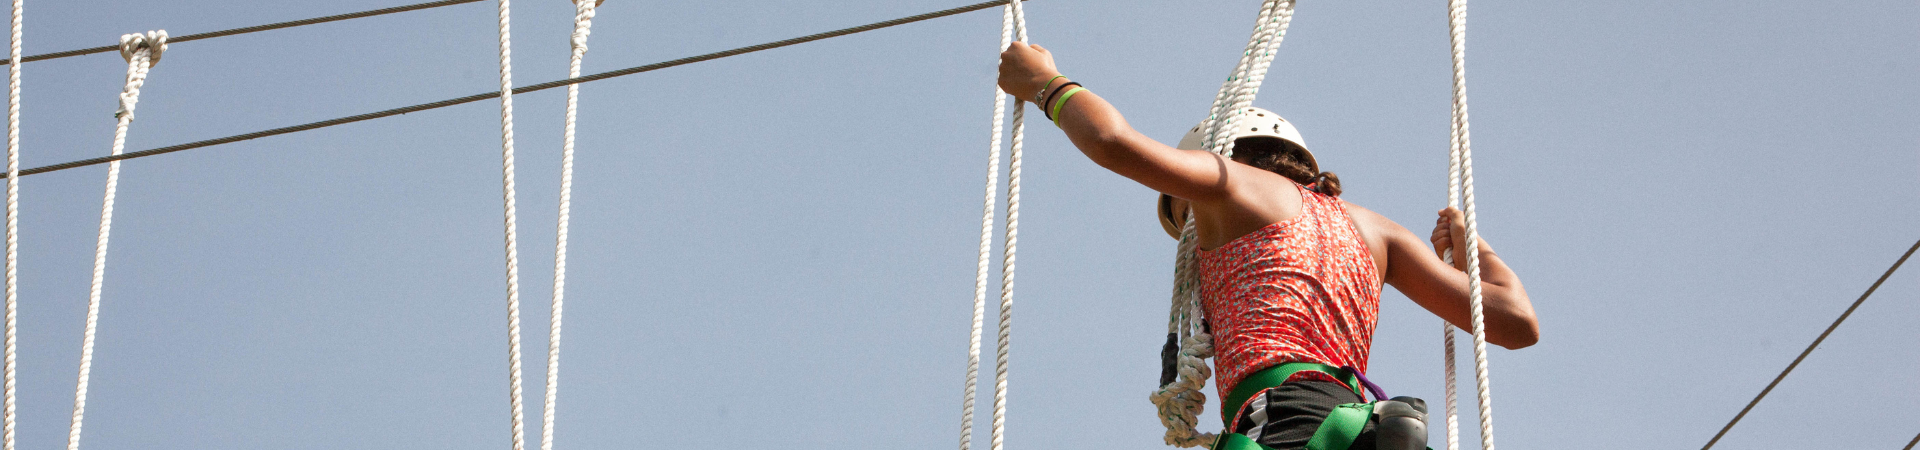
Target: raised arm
point(1099, 131)
point(1418, 272)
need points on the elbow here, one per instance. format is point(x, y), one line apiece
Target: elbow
point(1522, 331)
point(1522, 338)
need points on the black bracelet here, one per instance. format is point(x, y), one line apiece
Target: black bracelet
point(1056, 91)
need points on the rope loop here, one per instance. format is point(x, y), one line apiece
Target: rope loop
point(153, 41)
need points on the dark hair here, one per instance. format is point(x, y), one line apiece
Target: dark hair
point(1287, 159)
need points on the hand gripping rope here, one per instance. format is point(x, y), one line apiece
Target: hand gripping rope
point(582, 26)
point(141, 53)
point(513, 255)
point(1460, 193)
point(1013, 24)
point(1180, 402)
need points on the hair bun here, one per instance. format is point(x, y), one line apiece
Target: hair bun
point(1327, 183)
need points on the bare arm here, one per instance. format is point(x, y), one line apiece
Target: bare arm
point(1100, 132)
point(1416, 271)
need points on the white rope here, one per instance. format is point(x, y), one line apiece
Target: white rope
point(141, 53)
point(1181, 402)
point(513, 255)
point(13, 218)
point(986, 244)
point(1011, 244)
point(582, 26)
point(1463, 175)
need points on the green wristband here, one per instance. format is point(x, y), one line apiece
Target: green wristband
point(1041, 96)
point(1063, 102)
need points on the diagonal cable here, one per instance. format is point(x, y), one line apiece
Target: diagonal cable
point(518, 90)
point(1816, 343)
point(251, 29)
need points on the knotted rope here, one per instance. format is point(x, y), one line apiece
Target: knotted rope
point(1180, 402)
point(1460, 193)
point(512, 230)
point(582, 26)
point(1013, 25)
point(141, 53)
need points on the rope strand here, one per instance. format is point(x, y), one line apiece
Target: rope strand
point(13, 223)
point(582, 27)
point(141, 52)
point(967, 417)
point(1463, 145)
point(513, 256)
point(1011, 247)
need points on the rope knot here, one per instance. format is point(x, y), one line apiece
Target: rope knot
point(583, 23)
point(154, 42)
point(141, 52)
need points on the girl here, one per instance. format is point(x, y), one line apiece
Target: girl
point(1289, 273)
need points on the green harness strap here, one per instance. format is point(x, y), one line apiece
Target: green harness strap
point(1337, 432)
point(1275, 376)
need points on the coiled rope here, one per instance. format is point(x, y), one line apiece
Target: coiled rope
point(513, 256)
point(1180, 402)
point(13, 222)
point(141, 53)
point(582, 26)
point(986, 244)
point(1460, 193)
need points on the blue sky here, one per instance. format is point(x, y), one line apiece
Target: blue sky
point(778, 248)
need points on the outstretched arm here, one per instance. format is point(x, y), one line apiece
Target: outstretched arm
point(1098, 130)
point(1418, 272)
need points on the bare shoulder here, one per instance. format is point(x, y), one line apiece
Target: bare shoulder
point(1373, 226)
point(1380, 233)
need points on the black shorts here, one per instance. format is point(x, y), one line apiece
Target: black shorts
point(1285, 417)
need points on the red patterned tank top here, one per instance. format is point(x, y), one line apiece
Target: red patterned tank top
point(1301, 290)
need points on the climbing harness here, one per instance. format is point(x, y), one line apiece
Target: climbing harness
point(1013, 26)
point(1400, 422)
point(141, 53)
point(1179, 400)
point(582, 26)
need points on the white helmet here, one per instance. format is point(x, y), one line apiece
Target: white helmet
point(1254, 122)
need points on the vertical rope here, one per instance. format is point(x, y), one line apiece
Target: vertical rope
point(1463, 147)
point(13, 219)
point(1180, 403)
point(1453, 200)
point(1011, 244)
point(582, 26)
point(986, 245)
point(513, 255)
point(141, 52)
